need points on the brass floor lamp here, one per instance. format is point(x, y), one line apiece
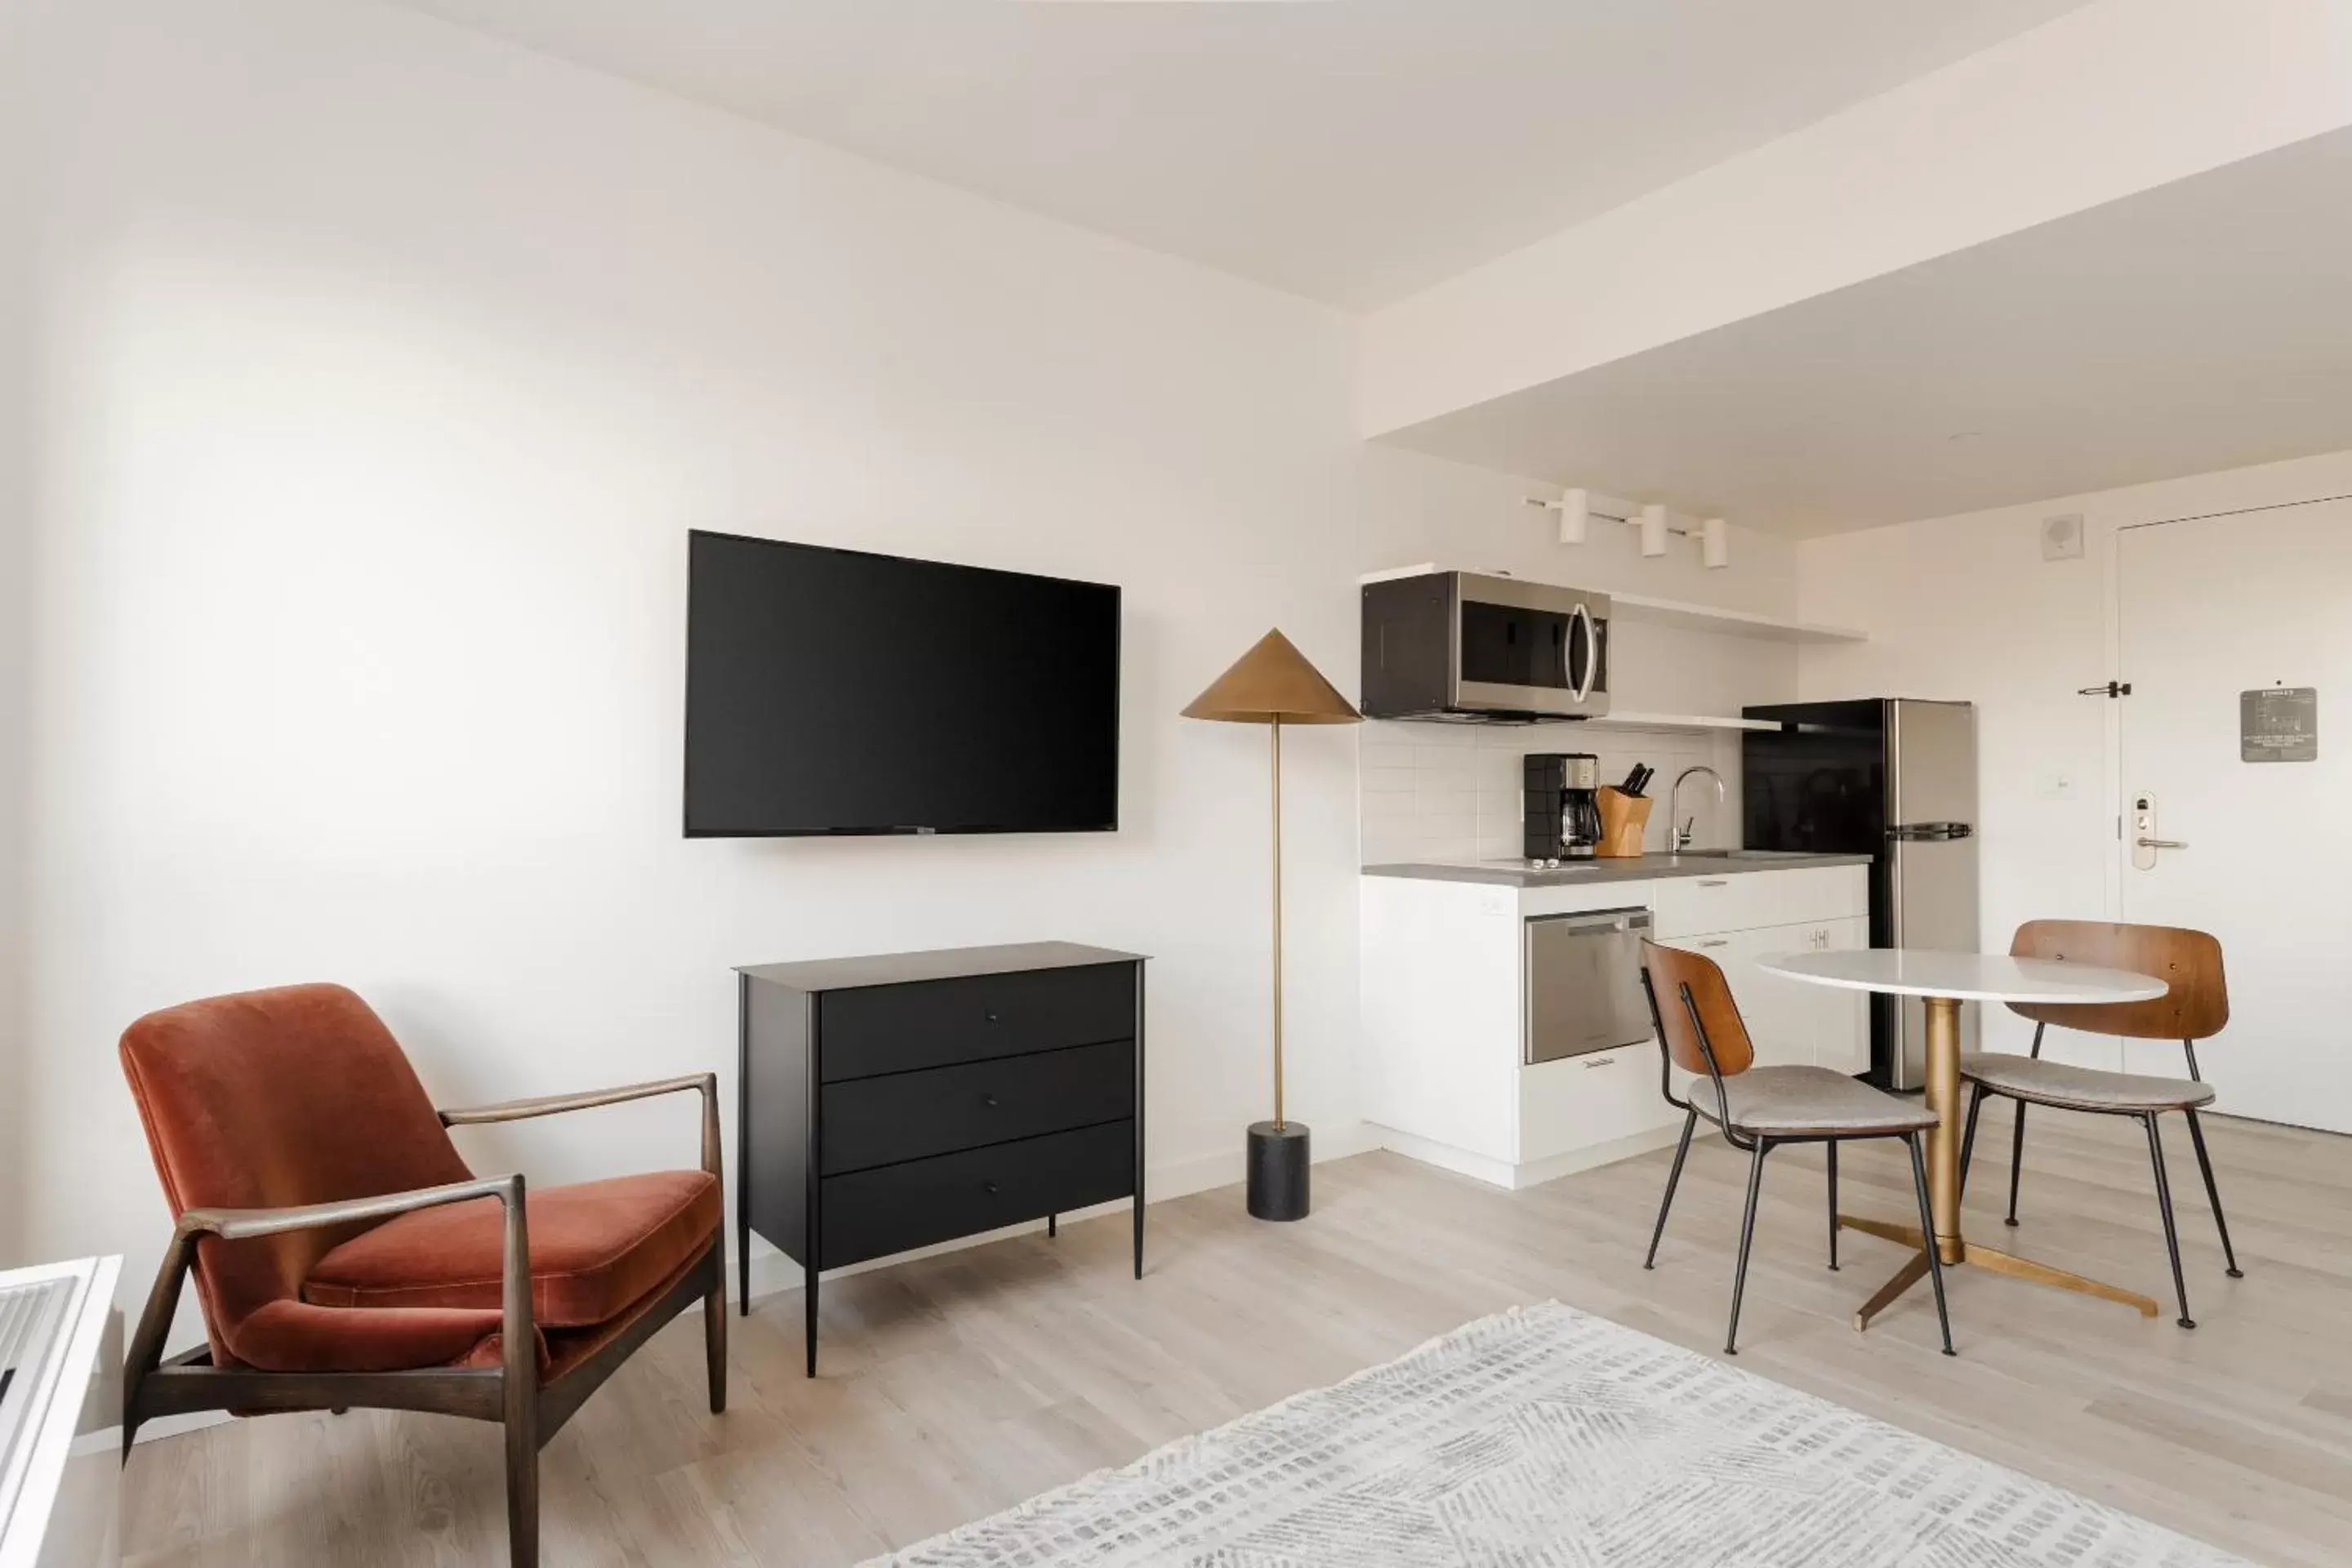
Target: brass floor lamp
point(1274, 685)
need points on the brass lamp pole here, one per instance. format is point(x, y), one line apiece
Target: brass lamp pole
point(1273, 685)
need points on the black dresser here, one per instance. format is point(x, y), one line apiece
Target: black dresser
point(890, 1102)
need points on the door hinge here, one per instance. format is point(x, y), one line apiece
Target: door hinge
point(2112, 689)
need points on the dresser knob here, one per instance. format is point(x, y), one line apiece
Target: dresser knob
point(989, 1100)
point(993, 1019)
point(988, 1187)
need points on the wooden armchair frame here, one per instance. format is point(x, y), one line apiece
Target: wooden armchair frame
point(512, 1393)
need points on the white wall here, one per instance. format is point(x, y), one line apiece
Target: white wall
point(15, 606)
point(384, 369)
point(1966, 608)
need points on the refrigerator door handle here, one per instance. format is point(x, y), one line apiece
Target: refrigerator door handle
point(1931, 832)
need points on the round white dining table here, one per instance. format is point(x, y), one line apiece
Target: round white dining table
point(1943, 981)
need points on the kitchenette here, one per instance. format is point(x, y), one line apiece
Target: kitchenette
point(1506, 1035)
point(1514, 862)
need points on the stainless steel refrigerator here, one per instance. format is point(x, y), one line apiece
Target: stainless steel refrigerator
point(1895, 779)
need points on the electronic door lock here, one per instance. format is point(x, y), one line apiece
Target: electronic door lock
point(2145, 841)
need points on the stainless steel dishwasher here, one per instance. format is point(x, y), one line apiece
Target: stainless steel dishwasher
point(1584, 984)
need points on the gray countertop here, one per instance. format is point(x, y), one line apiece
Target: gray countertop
point(1588, 873)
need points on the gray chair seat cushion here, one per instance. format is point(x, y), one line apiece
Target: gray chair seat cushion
point(2082, 1089)
point(1802, 1101)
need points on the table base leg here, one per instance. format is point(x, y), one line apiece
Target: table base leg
point(1915, 1268)
point(1909, 1234)
point(2017, 1268)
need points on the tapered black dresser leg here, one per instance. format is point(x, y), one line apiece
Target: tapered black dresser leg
point(808, 1289)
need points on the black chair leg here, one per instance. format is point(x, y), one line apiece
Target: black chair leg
point(1927, 1235)
point(2213, 1194)
point(2172, 1235)
point(1746, 1238)
point(2016, 1161)
point(1833, 1225)
point(1690, 1120)
point(1968, 1138)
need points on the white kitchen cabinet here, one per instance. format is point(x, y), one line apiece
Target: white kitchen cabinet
point(1790, 1023)
point(1442, 1023)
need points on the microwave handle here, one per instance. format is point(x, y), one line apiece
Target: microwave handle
point(1591, 650)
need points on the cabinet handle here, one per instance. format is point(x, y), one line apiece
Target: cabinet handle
point(989, 1100)
point(1592, 1062)
point(988, 1187)
point(994, 1018)
point(1713, 882)
point(1719, 941)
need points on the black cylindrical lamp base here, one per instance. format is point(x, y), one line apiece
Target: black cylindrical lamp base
point(1277, 1170)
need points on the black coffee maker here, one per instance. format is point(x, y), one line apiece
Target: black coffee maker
point(1564, 808)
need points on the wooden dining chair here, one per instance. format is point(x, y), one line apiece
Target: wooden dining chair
point(1759, 1109)
point(2194, 1006)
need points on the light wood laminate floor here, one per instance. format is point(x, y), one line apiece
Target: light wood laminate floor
point(960, 1384)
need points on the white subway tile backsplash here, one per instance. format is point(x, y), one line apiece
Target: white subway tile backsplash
point(1451, 792)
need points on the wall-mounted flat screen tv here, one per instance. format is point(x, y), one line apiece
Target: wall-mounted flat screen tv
point(833, 692)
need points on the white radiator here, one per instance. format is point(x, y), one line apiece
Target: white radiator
point(60, 1352)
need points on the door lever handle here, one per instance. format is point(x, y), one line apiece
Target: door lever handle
point(2161, 843)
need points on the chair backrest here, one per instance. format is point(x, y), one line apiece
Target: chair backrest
point(2196, 1001)
point(270, 1099)
point(1671, 969)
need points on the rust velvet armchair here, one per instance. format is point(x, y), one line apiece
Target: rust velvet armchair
point(344, 1255)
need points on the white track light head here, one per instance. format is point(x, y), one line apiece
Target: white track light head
point(1575, 516)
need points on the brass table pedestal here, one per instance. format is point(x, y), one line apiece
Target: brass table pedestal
point(1944, 1194)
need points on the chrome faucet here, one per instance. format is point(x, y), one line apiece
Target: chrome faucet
point(1678, 832)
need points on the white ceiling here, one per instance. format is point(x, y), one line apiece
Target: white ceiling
point(2204, 325)
point(1351, 151)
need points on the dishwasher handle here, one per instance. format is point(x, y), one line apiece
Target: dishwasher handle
point(1597, 920)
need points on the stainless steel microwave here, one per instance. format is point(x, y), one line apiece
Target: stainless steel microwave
point(1475, 648)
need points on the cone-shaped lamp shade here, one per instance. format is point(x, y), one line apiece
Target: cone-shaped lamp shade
point(1273, 681)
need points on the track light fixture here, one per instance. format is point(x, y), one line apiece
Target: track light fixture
point(1578, 508)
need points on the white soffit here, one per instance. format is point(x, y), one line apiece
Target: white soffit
point(2201, 326)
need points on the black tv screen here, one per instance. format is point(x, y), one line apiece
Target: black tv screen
point(832, 692)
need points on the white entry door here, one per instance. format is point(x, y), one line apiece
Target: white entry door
point(2212, 609)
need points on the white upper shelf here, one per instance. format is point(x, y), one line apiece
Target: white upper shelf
point(1732, 623)
point(1639, 721)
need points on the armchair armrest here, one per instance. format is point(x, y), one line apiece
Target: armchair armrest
point(521, 1368)
point(556, 1104)
point(242, 1225)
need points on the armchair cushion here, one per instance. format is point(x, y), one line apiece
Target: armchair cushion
point(596, 1249)
point(293, 1336)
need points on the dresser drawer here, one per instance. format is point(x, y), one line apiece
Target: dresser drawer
point(913, 1115)
point(868, 1213)
point(939, 1023)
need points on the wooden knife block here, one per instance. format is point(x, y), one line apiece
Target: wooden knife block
point(1624, 819)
